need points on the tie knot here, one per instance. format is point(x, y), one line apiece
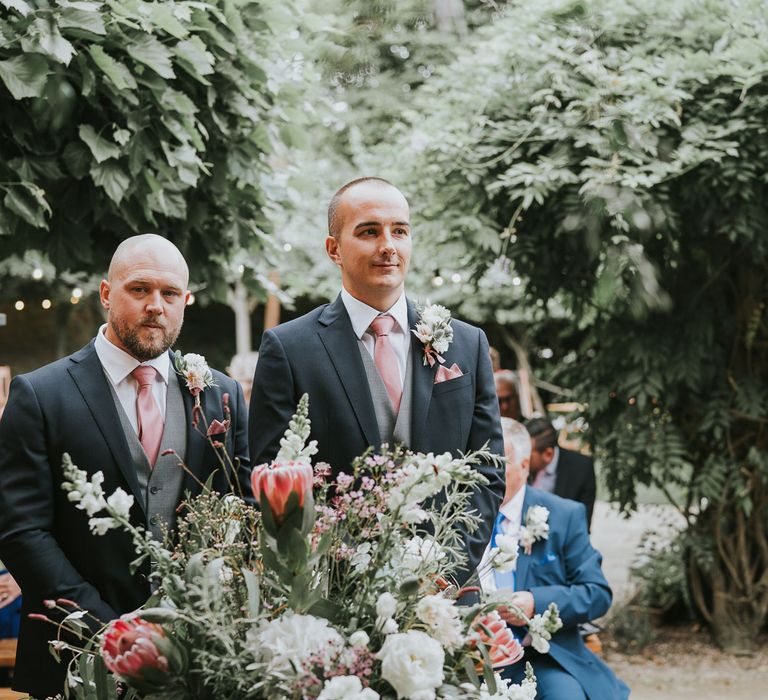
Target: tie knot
point(144, 375)
point(382, 325)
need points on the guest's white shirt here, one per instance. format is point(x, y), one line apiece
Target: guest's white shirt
point(362, 315)
point(118, 366)
point(546, 478)
point(513, 512)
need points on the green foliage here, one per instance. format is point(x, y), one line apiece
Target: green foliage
point(610, 156)
point(126, 117)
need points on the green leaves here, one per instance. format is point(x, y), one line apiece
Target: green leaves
point(100, 147)
point(114, 70)
point(148, 50)
point(28, 202)
point(112, 178)
point(24, 75)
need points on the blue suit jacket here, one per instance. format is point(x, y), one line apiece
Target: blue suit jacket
point(45, 542)
point(318, 354)
point(565, 569)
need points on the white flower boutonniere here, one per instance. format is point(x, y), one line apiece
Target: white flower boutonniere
point(434, 330)
point(504, 557)
point(195, 371)
point(536, 527)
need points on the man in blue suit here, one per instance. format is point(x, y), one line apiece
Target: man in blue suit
point(369, 385)
point(555, 564)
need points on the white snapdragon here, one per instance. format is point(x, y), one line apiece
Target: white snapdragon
point(508, 691)
point(101, 526)
point(541, 628)
point(120, 503)
point(412, 663)
point(86, 493)
point(346, 688)
point(420, 552)
point(386, 606)
point(442, 619)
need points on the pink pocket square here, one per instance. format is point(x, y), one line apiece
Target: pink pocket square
point(443, 373)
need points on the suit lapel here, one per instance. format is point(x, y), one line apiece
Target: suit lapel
point(88, 375)
point(423, 381)
point(338, 338)
point(196, 442)
point(524, 560)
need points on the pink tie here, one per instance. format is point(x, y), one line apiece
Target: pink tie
point(386, 360)
point(148, 413)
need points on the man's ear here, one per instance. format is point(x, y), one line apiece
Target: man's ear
point(549, 454)
point(332, 248)
point(104, 294)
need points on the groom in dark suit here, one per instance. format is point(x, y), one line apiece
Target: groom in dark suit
point(115, 406)
point(363, 367)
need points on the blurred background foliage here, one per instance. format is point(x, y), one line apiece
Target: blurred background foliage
point(587, 182)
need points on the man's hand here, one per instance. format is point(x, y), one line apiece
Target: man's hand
point(9, 589)
point(522, 600)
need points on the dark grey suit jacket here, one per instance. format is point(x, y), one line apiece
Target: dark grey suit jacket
point(318, 354)
point(45, 543)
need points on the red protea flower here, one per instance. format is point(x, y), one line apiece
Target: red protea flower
point(277, 481)
point(493, 632)
point(141, 653)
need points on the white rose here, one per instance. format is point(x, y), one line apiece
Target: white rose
point(386, 605)
point(346, 688)
point(412, 663)
point(359, 639)
point(120, 502)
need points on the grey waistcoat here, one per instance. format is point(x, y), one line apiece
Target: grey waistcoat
point(161, 485)
point(392, 429)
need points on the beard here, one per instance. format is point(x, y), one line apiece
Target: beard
point(139, 348)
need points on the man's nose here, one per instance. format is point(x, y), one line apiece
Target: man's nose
point(388, 243)
point(155, 303)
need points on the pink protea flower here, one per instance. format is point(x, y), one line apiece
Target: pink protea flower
point(131, 648)
point(277, 481)
point(493, 632)
point(217, 427)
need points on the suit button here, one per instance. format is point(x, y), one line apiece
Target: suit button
point(153, 489)
point(154, 520)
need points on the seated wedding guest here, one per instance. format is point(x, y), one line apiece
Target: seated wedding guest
point(508, 394)
point(495, 356)
point(117, 406)
point(241, 369)
point(560, 567)
point(565, 473)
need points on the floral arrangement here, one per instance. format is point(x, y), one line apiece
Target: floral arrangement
point(336, 589)
point(433, 329)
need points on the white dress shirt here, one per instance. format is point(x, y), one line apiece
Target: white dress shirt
point(513, 512)
point(362, 315)
point(546, 478)
point(118, 366)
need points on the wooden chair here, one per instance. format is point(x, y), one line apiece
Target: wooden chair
point(8, 660)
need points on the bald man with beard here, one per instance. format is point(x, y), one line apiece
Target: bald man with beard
point(115, 406)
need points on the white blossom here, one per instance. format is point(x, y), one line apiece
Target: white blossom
point(412, 663)
point(442, 619)
point(120, 503)
point(504, 555)
point(386, 605)
point(359, 639)
point(505, 690)
point(100, 526)
point(289, 639)
point(346, 688)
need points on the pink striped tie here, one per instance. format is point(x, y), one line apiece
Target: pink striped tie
point(385, 359)
point(148, 413)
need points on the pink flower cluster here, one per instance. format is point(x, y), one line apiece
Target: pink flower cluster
point(319, 667)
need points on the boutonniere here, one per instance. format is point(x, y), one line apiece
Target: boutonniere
point(434, 330)
point(195, 371)
point(536, 527)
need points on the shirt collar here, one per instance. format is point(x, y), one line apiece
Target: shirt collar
point(512, 510)
point(119, 364)
point(361, 315)
point(551, 468)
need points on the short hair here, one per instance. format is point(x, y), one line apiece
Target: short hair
point(518, 438)
point(508, 377)
point(333, 207)
point(542, 432)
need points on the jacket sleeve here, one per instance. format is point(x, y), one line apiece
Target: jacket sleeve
point(486, 428)
point(272, 400)
point(585, 595)
point(28, 546)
